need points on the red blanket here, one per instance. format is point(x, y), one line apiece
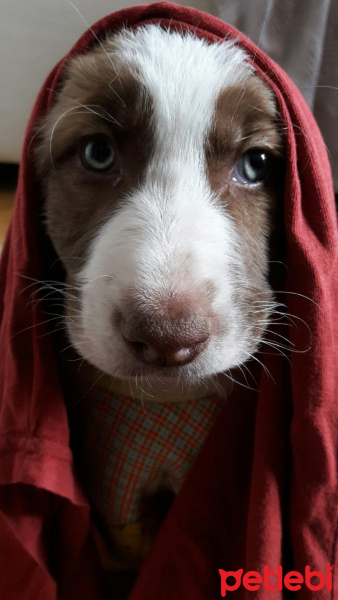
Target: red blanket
point(263, 491)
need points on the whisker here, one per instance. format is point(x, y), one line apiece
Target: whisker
point(34, 325)
point(88, 281)
point(245, 366)
point(229, 376)
point(66, 112)
point(281, 336)
point(298, 294)
point(96, 37)
point(253, 357)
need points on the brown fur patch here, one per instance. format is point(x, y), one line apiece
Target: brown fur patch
point(95, 99)
point(245, 118)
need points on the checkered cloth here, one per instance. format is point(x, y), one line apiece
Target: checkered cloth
point(129, 447)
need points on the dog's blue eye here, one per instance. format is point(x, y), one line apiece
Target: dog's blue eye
point(98, 154)
point(252, 167)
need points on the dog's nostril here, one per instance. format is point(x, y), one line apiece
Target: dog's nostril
point(144, 352)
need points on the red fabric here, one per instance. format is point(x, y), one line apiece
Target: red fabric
point(263, 491)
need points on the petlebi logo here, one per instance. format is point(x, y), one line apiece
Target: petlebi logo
point(275, 580)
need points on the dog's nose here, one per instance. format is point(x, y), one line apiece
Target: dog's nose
point(166, 340)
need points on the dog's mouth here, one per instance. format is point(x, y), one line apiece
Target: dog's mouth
point(176, 346)
point(155, 373)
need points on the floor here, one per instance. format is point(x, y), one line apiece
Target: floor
point(8, 178)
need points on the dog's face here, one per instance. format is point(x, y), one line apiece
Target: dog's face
point(159, 162)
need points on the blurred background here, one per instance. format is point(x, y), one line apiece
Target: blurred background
point(301, 35)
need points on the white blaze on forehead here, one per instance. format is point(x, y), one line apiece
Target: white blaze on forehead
point(184, 75)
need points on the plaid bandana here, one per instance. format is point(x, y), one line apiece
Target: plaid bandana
point(127, 448)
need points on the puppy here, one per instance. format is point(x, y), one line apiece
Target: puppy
point(160, 168)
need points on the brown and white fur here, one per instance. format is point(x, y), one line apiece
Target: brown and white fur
point(167, 252)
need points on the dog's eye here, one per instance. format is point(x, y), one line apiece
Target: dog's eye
point(98, 154)
point(252, 167)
